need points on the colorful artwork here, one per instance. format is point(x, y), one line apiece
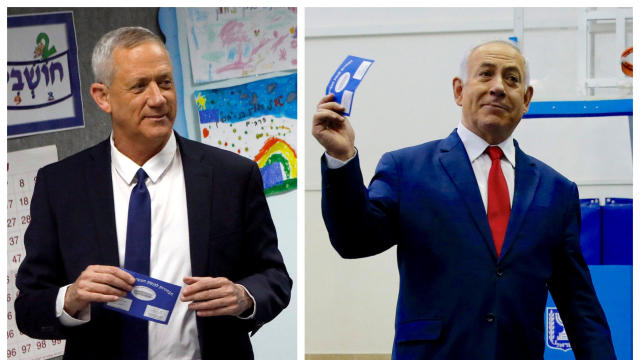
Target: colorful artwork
point(43, 84)
point(256, 120)
point(232, 42)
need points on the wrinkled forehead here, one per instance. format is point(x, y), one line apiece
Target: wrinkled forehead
point(497, 54)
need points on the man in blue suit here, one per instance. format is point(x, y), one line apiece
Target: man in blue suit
point(207, 224)
point(482, 229)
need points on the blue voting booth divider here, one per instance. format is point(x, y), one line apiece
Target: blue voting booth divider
point(617, 231)
point(606, 242)
point(613, 286)
point(591, 231)
point(606, 233)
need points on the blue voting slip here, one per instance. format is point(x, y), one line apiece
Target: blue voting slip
point(346, 79)
point(151, 299)
point(617, 231)
point(590, 232)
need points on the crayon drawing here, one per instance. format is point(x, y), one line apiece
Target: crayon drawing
point(233, 42)
point(256, 120)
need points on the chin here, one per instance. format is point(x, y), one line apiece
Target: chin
point(158, 132)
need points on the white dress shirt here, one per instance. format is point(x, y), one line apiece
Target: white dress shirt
point(170, 260)
point(480, 161)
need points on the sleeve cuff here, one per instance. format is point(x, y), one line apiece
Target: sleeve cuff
point(253, 313)
point(333, 163)
point(67, 320)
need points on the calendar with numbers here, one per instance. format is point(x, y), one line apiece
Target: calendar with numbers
point(22, 167)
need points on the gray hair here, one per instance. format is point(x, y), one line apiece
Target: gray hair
point(463, 64)
point(127, 37)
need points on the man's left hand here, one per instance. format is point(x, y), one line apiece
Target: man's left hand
point(215, 296)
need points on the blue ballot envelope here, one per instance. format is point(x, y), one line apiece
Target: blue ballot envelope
point(346, 79)
point(150, 299)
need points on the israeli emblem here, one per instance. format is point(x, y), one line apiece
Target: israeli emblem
point(556, 334)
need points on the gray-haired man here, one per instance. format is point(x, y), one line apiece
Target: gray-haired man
point(209, 227)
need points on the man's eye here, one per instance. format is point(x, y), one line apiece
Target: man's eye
point(485, 73)
point(166, 83)
point(514, 78)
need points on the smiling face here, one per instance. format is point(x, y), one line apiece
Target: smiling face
point(141, 98)
point(494, 96)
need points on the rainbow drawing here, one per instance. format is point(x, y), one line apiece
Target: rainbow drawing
point(256, 120)
point(279, 166)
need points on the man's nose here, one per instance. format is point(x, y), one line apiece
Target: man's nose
point(497, 87)
point(155, 97)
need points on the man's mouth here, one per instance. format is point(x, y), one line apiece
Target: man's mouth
point(497, 106)
point(156, 117)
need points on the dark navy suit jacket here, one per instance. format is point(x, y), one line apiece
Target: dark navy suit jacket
point(231, 234)
point(457, 300)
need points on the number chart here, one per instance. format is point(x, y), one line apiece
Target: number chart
point(22, 167)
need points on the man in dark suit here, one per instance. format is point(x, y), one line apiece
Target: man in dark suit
point(482, 229)
point(203, 215)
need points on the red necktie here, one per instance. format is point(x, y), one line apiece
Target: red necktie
point(498, 205)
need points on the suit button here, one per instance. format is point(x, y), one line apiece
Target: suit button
point(491, 318)
point(499, 272)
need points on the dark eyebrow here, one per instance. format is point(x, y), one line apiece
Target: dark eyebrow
point(493, 66)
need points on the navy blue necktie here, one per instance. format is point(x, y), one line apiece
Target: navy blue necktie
point(135, 340)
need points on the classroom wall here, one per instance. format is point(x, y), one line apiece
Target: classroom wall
point(405, 99)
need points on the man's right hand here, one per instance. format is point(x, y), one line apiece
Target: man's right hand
point(97, 283)
point(332, 130)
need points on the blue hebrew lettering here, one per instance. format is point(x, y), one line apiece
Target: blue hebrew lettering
point(45, 72)
point(56, 66)
point(28, 74)
point(18, 85)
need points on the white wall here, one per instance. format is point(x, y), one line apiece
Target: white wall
point(405, 99)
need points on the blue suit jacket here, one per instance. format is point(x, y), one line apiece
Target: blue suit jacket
point(231, 234)
point(457, 300)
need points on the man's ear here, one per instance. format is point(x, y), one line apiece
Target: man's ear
point(100, 94)
point(457, 90)
point(527, 99)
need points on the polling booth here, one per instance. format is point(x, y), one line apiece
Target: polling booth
point(603, 227)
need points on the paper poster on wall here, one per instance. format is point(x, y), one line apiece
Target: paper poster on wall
point(256, 120)
point(43, 83)
point(22, 167)
point(232, 42)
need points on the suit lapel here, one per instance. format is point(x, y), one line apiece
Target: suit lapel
point(526, 182)
point(198, 179)
point(456, 163)
point(100, 193)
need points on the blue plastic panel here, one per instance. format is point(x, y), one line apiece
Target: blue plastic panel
point(613, 287)
point(617, 231)
point(591, 231)
point(547, 109)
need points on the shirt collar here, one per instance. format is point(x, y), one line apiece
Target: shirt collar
point(154, 167)
point(475, 145)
